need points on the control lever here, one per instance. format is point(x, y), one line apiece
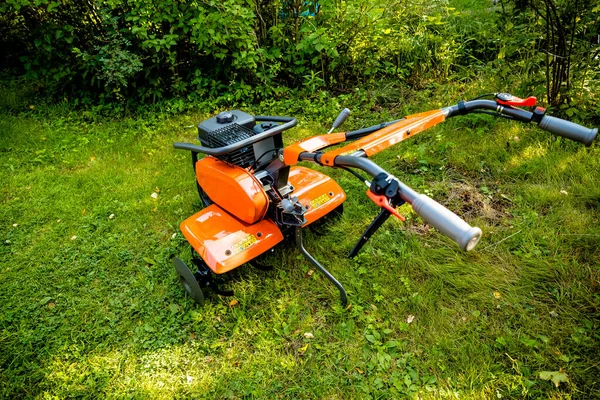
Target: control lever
point(344, 114)
point(508, 99)
point(384, 203)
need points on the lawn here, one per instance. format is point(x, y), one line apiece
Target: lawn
point(91, 306)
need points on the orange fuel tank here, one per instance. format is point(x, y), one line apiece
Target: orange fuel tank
point(233, 188)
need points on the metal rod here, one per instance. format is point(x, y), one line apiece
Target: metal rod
point(315, 263)
point(291, 122)
point(375, 224)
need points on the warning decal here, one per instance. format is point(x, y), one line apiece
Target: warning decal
point(244, 244)
point(319, 201)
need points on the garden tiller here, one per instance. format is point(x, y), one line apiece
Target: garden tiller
point(255, 193)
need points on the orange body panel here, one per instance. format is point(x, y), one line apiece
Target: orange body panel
point(388, 136)
point(291, 153)
point(315, 190)
point(225, 243)
point(233, 188)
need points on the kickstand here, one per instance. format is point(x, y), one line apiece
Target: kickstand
point(315, 263)
point(377, 222)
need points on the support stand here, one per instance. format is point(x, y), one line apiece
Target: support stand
point(377, 222)
point(315, 263)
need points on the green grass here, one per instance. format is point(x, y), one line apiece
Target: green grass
point(91, 306)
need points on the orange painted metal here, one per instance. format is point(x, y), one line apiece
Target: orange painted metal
point(388, 136)
point(233, 188)
point(224, 242)
point(291, 153)
point(317, 191)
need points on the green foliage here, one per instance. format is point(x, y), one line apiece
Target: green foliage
point(554, 47)
point(147, 51)
point(110, 64)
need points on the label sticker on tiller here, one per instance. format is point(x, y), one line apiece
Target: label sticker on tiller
point(319, 201)
point(244, 244)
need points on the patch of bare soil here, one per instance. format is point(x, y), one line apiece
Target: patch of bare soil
point(469, 202)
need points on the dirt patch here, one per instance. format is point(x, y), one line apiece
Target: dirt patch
point(418, 229)
point(469, 202)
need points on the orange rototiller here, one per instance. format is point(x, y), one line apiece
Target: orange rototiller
point(255, 193)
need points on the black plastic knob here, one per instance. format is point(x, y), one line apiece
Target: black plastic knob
point(225, 117)
point(504, 96)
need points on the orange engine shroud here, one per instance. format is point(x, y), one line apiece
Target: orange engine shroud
point(225, 241)
point(233, 188)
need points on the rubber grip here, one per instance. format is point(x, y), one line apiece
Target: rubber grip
point(568, 129)
point(341, 118)
point(447, 222)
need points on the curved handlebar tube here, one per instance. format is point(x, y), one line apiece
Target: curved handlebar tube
point(557, 126)
point(431, 211)
point(468, 106)
point(288, 122)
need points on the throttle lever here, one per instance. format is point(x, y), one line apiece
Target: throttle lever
point(508, 99)
point(344, 114)
point(383, 202)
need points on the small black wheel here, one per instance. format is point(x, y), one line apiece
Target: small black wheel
point(188, 281)
point(203, 196)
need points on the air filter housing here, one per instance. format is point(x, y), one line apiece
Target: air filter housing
point(226, 128)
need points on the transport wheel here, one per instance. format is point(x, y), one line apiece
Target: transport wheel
point(188, 281)
point(203, 196)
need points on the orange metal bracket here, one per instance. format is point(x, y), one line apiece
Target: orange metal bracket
point(371, 144)
point(388, 136)
point(291, 153)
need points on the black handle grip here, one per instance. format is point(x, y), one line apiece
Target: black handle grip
point(447, 222)
point(568, 129)
point(340, 119)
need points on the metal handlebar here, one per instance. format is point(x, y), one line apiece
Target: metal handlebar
point(288, 123)
point(431, 211)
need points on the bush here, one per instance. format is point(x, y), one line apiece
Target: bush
point(149, 50)
point(143, 51)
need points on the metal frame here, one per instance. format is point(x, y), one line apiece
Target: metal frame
point(316, 264)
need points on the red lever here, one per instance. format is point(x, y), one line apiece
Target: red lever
point(510, 100)
point(383, 202)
